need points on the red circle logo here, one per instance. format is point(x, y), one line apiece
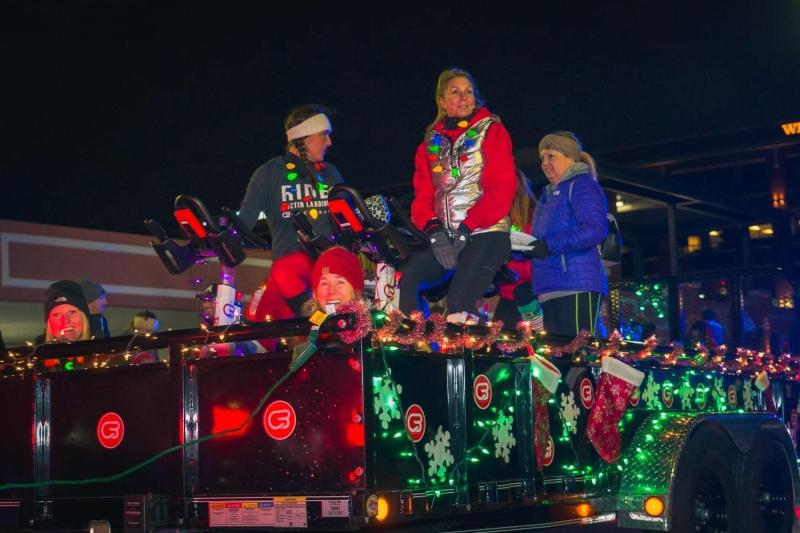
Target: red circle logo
point(415, 422)
point(549, 452)
point(110, 430)
point(279, 420)
point(482, 391)
point(732, 400)
point(587, 393)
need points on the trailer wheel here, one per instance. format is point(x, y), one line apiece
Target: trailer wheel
point(765, 487)
point(705, 489)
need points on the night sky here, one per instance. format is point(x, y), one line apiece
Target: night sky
point(111, 109)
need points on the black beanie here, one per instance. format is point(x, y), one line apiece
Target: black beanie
point(65, 292)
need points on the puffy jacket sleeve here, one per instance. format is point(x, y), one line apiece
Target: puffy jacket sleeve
point(589, 207)
point(422, 206)
point(498, 181)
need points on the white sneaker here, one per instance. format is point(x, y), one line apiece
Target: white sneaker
point(463, 318)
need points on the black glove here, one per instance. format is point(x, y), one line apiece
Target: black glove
point(443, 250)
point(460, 239)
point(540, 249)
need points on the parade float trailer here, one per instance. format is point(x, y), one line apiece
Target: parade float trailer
point(368, 420)
point(374, 432)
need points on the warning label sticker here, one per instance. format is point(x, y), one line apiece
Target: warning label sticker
point(291, 512)
point(243, 514)
point(335, 508)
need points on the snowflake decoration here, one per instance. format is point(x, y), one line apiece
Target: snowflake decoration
point(747, 395)
point(650, 394)
point(685, 393)
point(569, 412)
point(386, 399)
point(503, 436)
point(719, 395)
point(439, 456)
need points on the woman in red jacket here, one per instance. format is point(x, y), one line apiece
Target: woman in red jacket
point(464, 183)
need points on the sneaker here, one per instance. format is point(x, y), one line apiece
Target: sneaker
point(463, 318)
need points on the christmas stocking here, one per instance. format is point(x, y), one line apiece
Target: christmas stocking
point(763, 385)
point(545, 380)
point(617, 383)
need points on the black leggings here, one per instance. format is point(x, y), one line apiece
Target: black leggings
point(507, 311)
point(478, 263)
point(568, 315)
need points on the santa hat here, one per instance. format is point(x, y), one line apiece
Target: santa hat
point(337, 260)
point(65, 292)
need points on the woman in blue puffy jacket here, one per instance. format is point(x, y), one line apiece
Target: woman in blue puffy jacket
point(569, 224)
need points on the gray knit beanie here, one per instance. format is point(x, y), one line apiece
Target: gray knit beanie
point(562, 141)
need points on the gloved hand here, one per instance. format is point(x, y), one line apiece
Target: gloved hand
point(540, 249)
point(442, 249)
point(460, 239)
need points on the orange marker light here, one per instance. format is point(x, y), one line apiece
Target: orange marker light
point(583, 510)
point(383, 509)
point(654, 506)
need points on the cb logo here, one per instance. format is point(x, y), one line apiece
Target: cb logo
point(279, 420)
point(415, 422)
point(482, 391)
point(110, 430)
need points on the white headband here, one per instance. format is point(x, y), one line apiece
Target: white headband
point(309, 126)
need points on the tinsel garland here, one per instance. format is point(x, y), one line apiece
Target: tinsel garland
point(477, 343)
point(701, 359)
point(386, 332)
point(363, 316)
point(612, 344)
point(439, 323)
point(720, 351)
point(417, 333)
point(671, 359)
point(572, 346)
point(646, 351)
point(746, 361)
point(525, 330)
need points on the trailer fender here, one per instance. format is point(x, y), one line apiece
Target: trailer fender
point(649, 465)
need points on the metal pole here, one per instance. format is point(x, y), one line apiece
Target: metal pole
point(674, 270)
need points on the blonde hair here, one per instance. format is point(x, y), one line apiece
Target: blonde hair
point(441, 85)
point(524, 202)
point(589, 160)
point(49, 337)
